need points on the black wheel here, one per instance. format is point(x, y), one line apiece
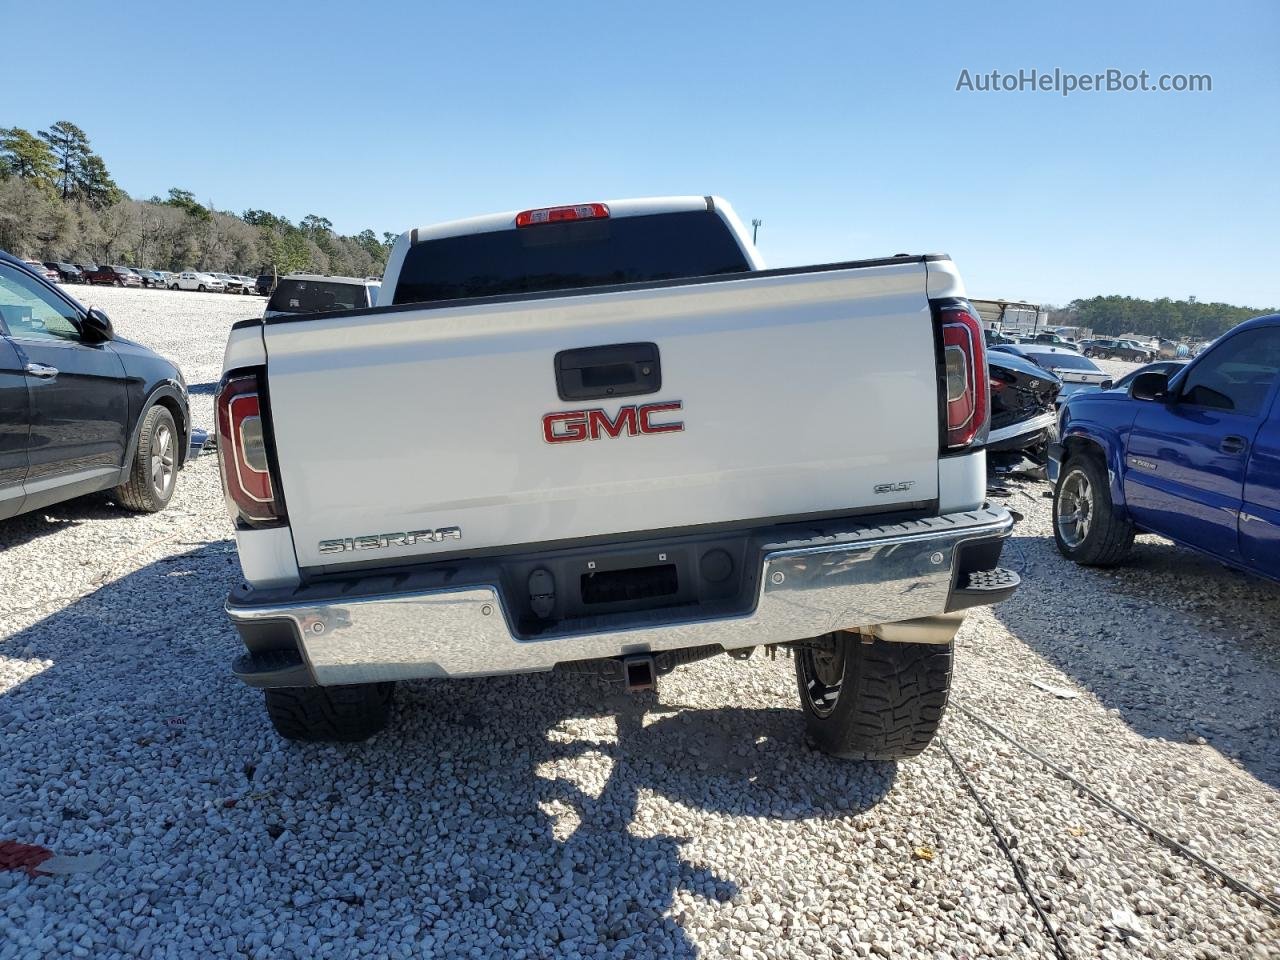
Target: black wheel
point(155, 465)
point(344, 714)
point(872, 700)
point(1086, 526)
point(200, 287)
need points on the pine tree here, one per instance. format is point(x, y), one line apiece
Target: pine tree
point(70, 147)
point(95, 186)
point(28, 158)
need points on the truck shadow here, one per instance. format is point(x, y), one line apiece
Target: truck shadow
point(528, 806)
point(1181, 646)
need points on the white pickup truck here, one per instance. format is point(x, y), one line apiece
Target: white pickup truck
point(603, 438)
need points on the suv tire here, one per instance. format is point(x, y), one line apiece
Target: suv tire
point(867, 699)
point(154, 475)
point(345, 714)
point(1086, 525)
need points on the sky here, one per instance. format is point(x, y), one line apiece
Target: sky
point(838, 125)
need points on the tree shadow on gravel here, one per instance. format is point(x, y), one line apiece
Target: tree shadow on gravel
point(1180, 645)
point(512, 814)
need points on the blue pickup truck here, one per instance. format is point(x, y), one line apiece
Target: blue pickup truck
point(1194, 457)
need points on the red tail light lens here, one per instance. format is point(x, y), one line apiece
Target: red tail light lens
point(580, 211)
point(967, 380)
point(243, 452)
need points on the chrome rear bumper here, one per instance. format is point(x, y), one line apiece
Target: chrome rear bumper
point(388, 628)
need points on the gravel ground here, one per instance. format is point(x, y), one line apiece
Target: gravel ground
point(548, 816)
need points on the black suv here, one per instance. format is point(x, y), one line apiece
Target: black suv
point(67, 272)
point(81, 410)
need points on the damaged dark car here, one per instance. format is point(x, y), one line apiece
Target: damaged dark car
point(1024, 417)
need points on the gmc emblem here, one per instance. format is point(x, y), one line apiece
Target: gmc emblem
point(570, 426)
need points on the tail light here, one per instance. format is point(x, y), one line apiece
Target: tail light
point(579, 211)
point(245, 452)
point(965, 375)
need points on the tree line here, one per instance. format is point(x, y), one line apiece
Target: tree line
point(1188, 319)
point(58, 201)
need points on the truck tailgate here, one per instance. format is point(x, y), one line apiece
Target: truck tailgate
point(799, 392)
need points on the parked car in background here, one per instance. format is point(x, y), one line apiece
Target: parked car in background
point(150, 278)
point(195, 280)
point(993, 337)
point(1107, 348)
point(1099, 347)
point(265, 284)
point(49, 273)
point(116, 276)
point(1076, 372)
point(67, 272)
point(1129, 350)
point(1194, 457)
point(311, 293)
point(1053, 339)
point(1022, 403)
point(230, 284)
point(1167, 367)
point(84, 410)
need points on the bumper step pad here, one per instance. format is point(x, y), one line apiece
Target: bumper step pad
point(983, 587)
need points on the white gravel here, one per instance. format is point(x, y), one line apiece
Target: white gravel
point(547, 816)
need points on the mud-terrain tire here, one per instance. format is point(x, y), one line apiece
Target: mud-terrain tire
point(346, 714)
point(154, 475)
point(870, 699)
point(1086, 525)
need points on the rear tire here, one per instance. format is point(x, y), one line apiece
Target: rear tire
point(346, 714)
point(154, 476)
point(870, 699)
point(200, 288)
point(1086, 525)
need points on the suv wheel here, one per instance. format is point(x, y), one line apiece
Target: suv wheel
point(1086, 525)
point(155, 465)
point(345, 714)
point(200, 287)
point(869, 699)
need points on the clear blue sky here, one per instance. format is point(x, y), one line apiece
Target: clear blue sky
point(837, 124)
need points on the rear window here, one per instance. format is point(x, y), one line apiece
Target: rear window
point(563, 256)
point(1064, 361)
point(316, 296)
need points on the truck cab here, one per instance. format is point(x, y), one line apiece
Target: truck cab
point(1194, 457)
